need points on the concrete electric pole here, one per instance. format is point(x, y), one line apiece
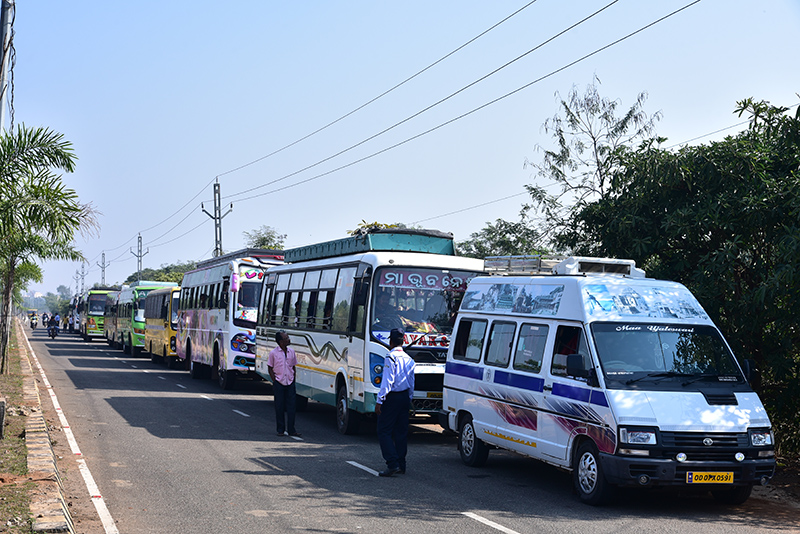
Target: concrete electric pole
point(217, 219)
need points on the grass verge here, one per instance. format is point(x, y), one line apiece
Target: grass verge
point(14, 484)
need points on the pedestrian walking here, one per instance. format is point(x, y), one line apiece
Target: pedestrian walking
point(281, 364)
point(393, 405)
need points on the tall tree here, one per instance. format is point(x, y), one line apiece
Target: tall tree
point(265, 237)
point(166, 273)
point(39, 215)
point(587, 132)
point(724, 219)
point(502, 238)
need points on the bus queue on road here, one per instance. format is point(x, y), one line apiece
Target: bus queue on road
point(546, 362)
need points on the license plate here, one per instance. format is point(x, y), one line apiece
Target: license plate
point(435, 395)
point(698, 477)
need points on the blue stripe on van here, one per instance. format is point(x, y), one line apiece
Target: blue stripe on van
point(571, 392)
point(531, 383)
point(599, 398)
point(470, 371)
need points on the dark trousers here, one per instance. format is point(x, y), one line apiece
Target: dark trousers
point(393, 429)
point(285, 403)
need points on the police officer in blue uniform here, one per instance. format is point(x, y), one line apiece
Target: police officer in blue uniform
point(393, 404)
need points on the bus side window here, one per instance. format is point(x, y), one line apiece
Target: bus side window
point(277, 309)
point(324, 310)
point(311, 312)
point(343, 299)
point(530, 348)
point(498, 350)
point(469, 340)
point(569, 340)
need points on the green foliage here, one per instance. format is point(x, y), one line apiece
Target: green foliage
point(265, 237)
point(724, 219)
point(166, 273)
point(56, 304)
point(365, 227)
point(587, 133)
point(502, 238)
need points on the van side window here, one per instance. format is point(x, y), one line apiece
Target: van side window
point(569, 340)
point(498, 350)
point(530, 348)
point(469, 340)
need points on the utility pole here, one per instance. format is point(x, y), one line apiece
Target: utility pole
point(83, 275)
point(139, 255)
point(103, 266)
point(6, 34)
point(76, 278)
point(217, 219)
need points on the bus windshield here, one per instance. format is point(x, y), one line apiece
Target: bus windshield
point(176, 300)
point(247, 304)
point(97, 304)
point(643, 352)
point(422, 300)
point(138, 310)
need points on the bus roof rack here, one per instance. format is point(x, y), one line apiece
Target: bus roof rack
point(151, 283)
point(385, 240)
point(256, 253)
point(560, 265)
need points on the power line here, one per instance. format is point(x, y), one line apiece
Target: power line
point(428, 108)
point(468, 113)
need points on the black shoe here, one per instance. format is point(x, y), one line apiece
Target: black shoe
point(296, 434)
point(389, 472)
point(401, 471)
point(281, 433)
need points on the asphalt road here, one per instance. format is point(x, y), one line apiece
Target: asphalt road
point(175, 455)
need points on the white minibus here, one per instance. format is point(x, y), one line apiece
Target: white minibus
point(624, 380)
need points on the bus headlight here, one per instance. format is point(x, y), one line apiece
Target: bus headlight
point(637, 436)
point(761, 438)
point(375, 369)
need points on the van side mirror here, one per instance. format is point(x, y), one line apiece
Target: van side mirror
point(575, 368)
point(751, 373)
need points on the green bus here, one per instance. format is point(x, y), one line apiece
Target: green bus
point(91, 312)
point(129, 315)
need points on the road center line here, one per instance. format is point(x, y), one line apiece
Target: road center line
point(181, 386)
point(363, 467)
point(488, 523)
point(241, 413)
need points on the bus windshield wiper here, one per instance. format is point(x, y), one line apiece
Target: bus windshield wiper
point(664, 374)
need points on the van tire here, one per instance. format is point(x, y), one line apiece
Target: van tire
point(474, 451)
point(347, 420)
point(196, 370)
point(735, 495)
point(588, 477)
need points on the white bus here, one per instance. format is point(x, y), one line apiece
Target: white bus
point(339, 300)
point(217, 317)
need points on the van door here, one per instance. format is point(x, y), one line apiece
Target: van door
point(565, 398)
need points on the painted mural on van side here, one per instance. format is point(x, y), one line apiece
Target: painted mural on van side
point(626, 300)
point(523, 298)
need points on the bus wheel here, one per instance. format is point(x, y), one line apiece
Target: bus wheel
point(195, 369)
point(474, 450)
point(735, 495)
point(135, 351)
point(347, 420)
point(126, 349)
point(587, 475)
point(226, 379)
point(155, 358)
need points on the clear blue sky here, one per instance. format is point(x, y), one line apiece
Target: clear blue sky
point(159, 98)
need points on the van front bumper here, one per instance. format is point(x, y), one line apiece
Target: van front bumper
point(640, 471)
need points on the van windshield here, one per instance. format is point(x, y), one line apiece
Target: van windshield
point(635, 352)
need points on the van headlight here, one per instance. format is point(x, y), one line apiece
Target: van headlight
point(637, 436)
point(761, 438)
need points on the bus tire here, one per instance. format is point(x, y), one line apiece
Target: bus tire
point(225, 378)
point(347, 420)
point(587, 475)
point(195, 370)
point(474, 451)
point(735, 495)
point(126, 349)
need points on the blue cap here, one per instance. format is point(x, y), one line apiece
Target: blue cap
point(396, 335)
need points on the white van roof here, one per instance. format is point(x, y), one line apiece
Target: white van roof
point(584, 298)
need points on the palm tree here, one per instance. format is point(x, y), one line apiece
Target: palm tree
point(39, 215)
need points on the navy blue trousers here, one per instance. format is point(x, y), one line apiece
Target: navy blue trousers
point(285, 406)
point(393, 429)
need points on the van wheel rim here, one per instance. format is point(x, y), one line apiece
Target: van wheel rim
point(587, 473)
point(467, 439)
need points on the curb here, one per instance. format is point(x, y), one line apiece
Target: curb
point(48, 507)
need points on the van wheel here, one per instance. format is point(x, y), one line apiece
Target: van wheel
point(736, 495)
point(587, 475)
point(347, 420)
point(196, 370)
point(474, 451)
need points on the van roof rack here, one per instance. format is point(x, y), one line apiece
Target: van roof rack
point(561, 265)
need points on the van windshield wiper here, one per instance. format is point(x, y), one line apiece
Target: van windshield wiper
point(699, 377)
point(665, 374)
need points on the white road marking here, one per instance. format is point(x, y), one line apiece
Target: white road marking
point(492, 524)
point(363, 467)
point(100, 505)
point(241, 413)
point(296, 438)
point(207, 397)
point(181, 386)
point(161, 378)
